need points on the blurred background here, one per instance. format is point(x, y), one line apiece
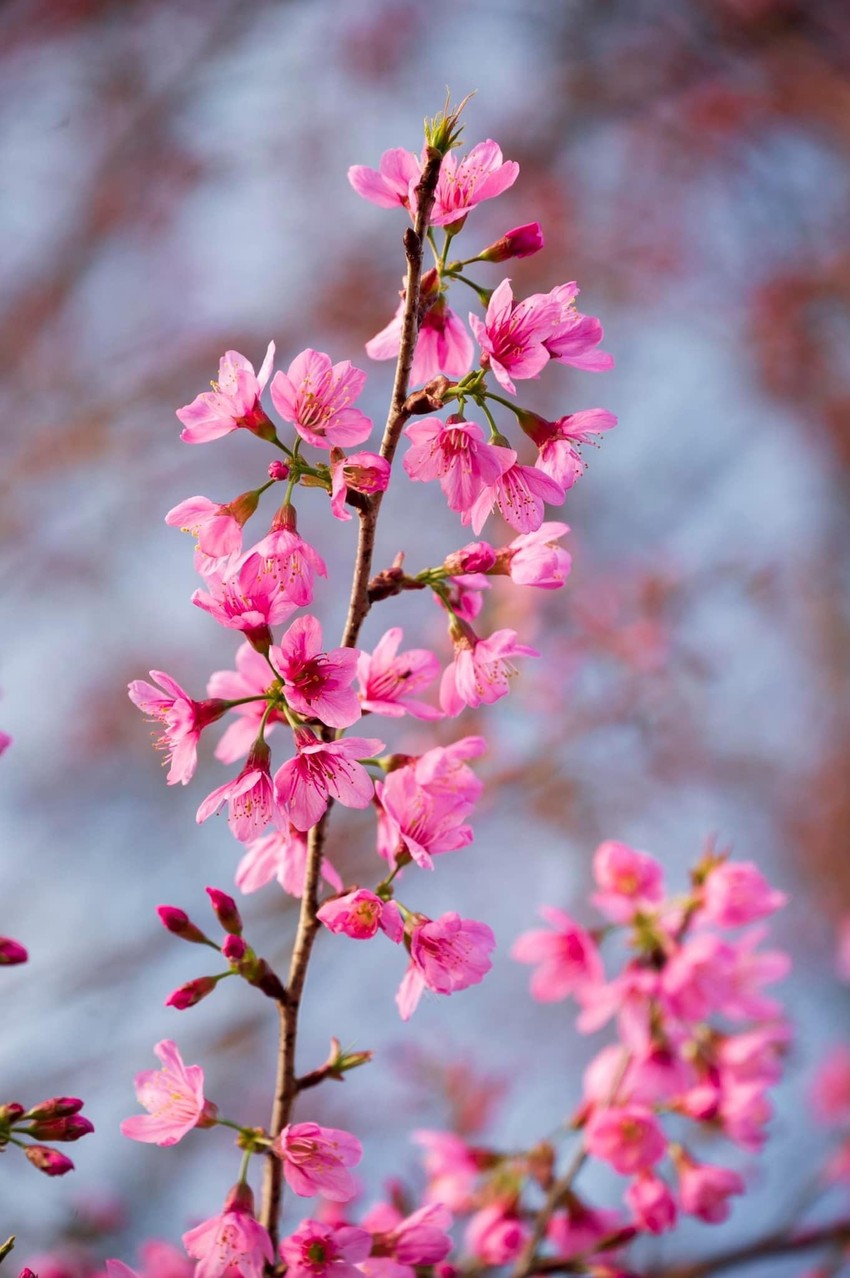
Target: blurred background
point(173, 180)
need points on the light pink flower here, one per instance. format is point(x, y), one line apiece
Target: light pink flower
point(390, 680)
point(629, 1137)
point(315, 1160)
point(234, 401)
point(735, 893)
point(316, 1249)
point(480, 671)
point(216, 528)
point(512, 334)
point(317, 684)
point(574, 337)
point(359, 914)
point(704, 1190)
point(251, 678)
point(182, 718)
point(390, 185)
point(495, 1235)
point(250, 797)
point(362, 472)
point(418, 820)
point(560, 441)
point(519, 494)
point(322, 769)
point(464, 183)
point(457, 454)
point(280, 854)
point(446, 954)
point(629, 881)
point(450, 1166)
point(174, 1097)
point(232, 1242)
point(652, 1203)
point(443, 344)
point(568, 957)
point(536, 559)
point(293, 561)
point(316, 395)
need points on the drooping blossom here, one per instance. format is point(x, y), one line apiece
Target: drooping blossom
point(629, 881)
point(182, 718)
point(442, 346)
point(568, 957)
point(362, 472)
point(322, 769)
point(231, 1243)
point(575, 337)
point(629, 1137)
point(316, 684)
point(390, 680)
point(250, 797)
point(174, 1098)
point(559, 442)
point(464, 596)
point(316, 1160)
point(446, 954)
point(652, 1203)
point(316, 396)
point(359, 914)
point(291, 559)
point(536, 559)
point(512, 334)
point(481, 669)
point(317, 1249)
point(705, 1190)
point(495, 1235)
point(248, 596)
point(216, 528)
point(451, 1166)
point(736, 892)
point(234, 401)
point(406, 1242)
point(280, 854)
point(519, 494)
point(457, 454)
point(251, 678)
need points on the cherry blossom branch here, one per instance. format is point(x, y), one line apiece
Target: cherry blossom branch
point(529, 1262)
point(287, 1086)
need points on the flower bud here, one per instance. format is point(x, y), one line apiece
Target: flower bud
point(11, 952)
point(234, 948)
point(243, 506)
point(55, 1107)
point(476, 556)
point(178, 922)
point(70, 1128)
point(225, 910)
point(48, 1160)
point(191, 993)
point(522, 241)
point(278, 470)
point(10, 1113)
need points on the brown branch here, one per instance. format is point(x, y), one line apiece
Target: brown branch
point(837, 1234)
point(529, 1262)
point(286, 1086)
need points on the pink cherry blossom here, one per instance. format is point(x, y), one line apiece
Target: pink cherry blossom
point(422, 822)
point(251, 678)
point(182, 718)
point(464, 595)
point(418, 1239)
point(736, 892)
point(629, 881)
point(234, 401)
point(652, 1203)
point(495, 1235)
point(247, 595)
point(362, 472)
point(216, 528)
point(536, 559)
point(457, 454)
point(704, 1190)
point(512, 334)
point(316, 1160)
point(629, 1137)
point(316, 1250)
point(359, 914)
point(443, 344)
point(464, 183)
point(174, 1097)
point(574, 337)
point(390, 185)
point(390, 680)
point(231, 1243)
point(568, 957)
point(322, 769)
point(250, 797)
point(560, 442)
point(292, 560)
point(316, 684)
point(280, 854)
point(316, 395)
point(579, 1230)
point(519, 494)
point(481, 669)
point(446, 954)
point(451, 1168)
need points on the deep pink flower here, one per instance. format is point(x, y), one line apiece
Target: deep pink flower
point(419, 821)
point(250, 797)
point(251, 678)
point(280, 854)
point(363, 472)
point(316, 395)
point(495, 1235)
point(247, 595)
point(736, 892)
point(450, 1166)
point(574, 337)
point(559, 442)
point(315, 1160)
point(443, 344)
point(580, 1230)
point(48, 1160)
point(457, 454)
point(234, 401)
point(652, 1202)
point(390, 185)
point(519, 494)
point(446, 954)
point(512, 334)
point(418, 1239)
point(704, 1190)
point(466, 182)
point(174, 1097)
point(521, 241)
point(317, 684)
point(629, 1137)
point(321, 769)
point(536, 559)
point(359, 914)
point(480, 671)
point(293, 561)
point(568, 957)
point(629, 881)
point(11, 952)
point(182, 718)
point(390, 680)
point(232, 1242)
point(316, 1250)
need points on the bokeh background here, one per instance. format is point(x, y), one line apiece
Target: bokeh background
point(173, 184)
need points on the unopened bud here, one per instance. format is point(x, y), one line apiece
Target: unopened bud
point(178, 922)
point(71, 1128)
point(225, 910)
point(48, 1160)
point(10, 1113)
point(55, 1107)
point(278, 470)
point(234, 948)
point(191, 993)
point(522, 241)
point(11, 952)
point(477, 556)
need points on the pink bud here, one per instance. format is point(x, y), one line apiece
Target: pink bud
point(48, 1160)
point(191, 993)
point(278, 470)
point(178, 922)
point(11, 952)
point(225, 910)
point(477, 556)
point(70, 1128)
point(55, 1107)
point(234, 948)
point(522, 241)
point(10, 1113)
point(240, 1199)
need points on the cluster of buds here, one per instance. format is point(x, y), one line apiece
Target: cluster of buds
point(56, 1119)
